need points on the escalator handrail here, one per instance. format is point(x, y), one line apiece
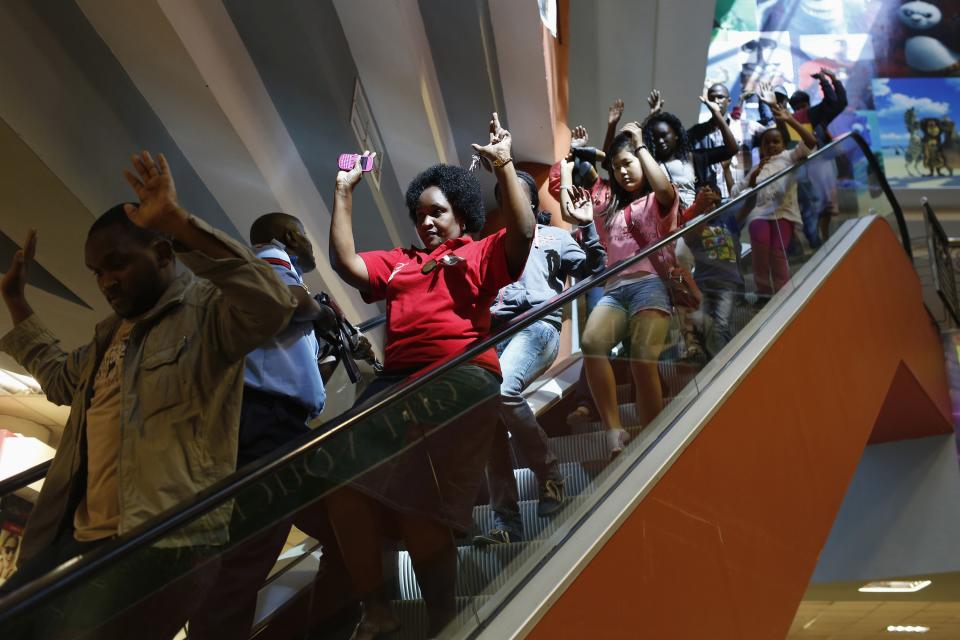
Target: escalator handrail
point(227, 488)
point(26, 477)
point(372, 323)
point(937, 238)
point(29, 476)
point(887, 190)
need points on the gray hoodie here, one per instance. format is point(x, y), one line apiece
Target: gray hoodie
point(554, 255)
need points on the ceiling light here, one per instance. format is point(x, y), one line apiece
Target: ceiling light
point(895, 586)
point(907, 629)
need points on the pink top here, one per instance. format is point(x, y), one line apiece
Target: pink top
point(651, 221)
point(649, 218)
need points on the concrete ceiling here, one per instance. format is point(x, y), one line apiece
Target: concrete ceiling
point(250, 102)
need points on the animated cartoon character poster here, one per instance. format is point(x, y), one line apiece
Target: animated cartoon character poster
point(897, 59)
point(917, 116)
point(918, 39)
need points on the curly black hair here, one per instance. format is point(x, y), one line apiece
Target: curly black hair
point(683, 142)
point(461, 188)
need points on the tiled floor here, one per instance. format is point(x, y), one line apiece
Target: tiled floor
point(869, 620)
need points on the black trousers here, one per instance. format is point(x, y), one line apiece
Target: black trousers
point(154, 590)
point(266, 422)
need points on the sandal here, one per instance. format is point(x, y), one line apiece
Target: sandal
point(617, 439)
point(581, 414)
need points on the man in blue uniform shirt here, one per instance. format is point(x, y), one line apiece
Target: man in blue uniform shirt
point(283, 389)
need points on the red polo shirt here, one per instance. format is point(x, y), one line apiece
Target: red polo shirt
point(432, 316)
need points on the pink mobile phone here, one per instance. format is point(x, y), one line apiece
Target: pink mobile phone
point(347, 161)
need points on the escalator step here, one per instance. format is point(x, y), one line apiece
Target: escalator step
point(628, 417)
point(624, 396)
point(574, 480)
point(533, 525)
point(581, 447)
point(414, 622)
point(480, 571)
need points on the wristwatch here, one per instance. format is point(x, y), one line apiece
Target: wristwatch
point(501, 163)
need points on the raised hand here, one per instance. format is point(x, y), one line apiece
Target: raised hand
point(14, 281)
point(349, 179)
point(615, 112)
point(579, 137)
point(712, 106)
point(656, 102)
point(579, 208)
point(156, 191)
point(825, 71)
point(766, 94)
point(497, 151)
point(756, 172)
point(780, 112)
point(635, 129)
point(707, 199)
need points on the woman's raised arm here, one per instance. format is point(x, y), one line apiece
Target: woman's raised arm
point(518, 217)
point(343, 252)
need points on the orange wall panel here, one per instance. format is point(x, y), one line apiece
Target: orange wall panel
point(725, 544)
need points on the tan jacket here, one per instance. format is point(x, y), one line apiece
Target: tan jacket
point(181, 393)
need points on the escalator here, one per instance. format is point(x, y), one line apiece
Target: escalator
point(710, 522)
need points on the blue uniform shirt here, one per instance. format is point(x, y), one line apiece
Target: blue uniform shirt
point(286, 365)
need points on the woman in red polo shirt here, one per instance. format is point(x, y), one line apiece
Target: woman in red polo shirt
point(438, 302)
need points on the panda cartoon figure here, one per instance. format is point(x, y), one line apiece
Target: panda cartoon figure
point(923, 51)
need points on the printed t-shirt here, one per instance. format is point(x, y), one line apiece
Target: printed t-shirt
point(98, 514)
point(432, 316)
point(651, 220)
point(716, 252)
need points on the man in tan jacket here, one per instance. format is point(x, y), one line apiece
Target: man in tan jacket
point(154, 397)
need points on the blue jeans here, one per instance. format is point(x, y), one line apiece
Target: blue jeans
point(523, 359)
point(717, 303)
point(632, 298)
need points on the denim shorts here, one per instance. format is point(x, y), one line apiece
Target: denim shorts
point(632, 298)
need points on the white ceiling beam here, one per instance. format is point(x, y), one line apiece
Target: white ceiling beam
point(389, 45)
point(177, 93)
point(526, 78)
point(679, 64)
point(625, 48)
point(220, 57)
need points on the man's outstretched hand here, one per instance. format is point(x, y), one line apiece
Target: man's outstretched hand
point(14, 281)
point(153, 184)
